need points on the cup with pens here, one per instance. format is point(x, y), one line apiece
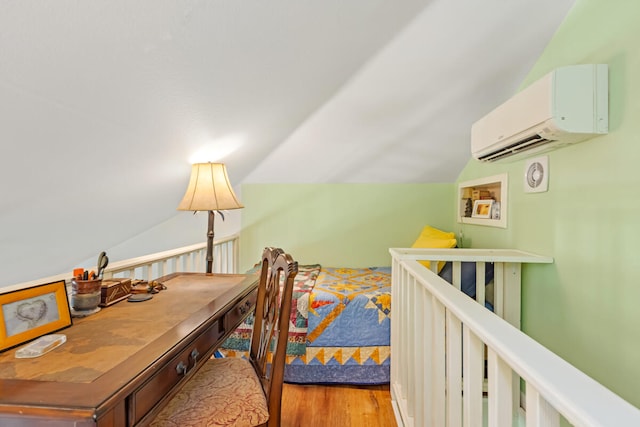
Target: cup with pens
point(86, 288)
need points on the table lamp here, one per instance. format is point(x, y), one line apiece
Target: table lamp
point(209, 189)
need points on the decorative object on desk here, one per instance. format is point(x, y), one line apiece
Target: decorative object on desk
point(86, 293)
point(482, 209)
point(85, 296)
point(84, 313)
point(114, 290)
point(155, 287)
point(29, 313)
point(209, 190)
point(41, 346)
point(139, 297)
point(103, 261)
point(139, 286)
point(145, 287)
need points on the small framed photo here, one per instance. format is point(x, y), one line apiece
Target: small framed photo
point(482, 209)
point(27, 314)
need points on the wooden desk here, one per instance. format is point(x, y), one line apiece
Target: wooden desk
point(120, 365)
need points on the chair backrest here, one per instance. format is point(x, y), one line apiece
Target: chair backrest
point(271, 325)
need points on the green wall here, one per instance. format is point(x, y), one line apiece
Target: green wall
point(584, 307)
point(340, 225)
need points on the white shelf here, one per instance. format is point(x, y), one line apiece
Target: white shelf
point(497, 186)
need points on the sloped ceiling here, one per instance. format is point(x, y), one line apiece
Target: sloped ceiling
point(406, 115)
point(104, 104)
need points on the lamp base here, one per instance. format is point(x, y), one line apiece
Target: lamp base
point(210, 234)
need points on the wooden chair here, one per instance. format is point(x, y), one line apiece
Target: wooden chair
point(236, 391)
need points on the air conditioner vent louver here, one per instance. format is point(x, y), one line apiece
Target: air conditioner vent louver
point(567, 105)
point(522, 145)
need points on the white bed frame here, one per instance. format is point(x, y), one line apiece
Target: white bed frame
point(439, 339)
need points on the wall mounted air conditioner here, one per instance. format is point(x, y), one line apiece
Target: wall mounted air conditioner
point(568, 105)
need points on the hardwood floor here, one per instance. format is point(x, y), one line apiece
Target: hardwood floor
point(336, 406)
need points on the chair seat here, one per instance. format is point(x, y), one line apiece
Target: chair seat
point(224, 392)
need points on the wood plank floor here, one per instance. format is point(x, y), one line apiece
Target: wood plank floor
point(336, 406)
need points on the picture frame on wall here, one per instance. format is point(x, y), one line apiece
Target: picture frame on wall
point(482, 209)
point(29, 313)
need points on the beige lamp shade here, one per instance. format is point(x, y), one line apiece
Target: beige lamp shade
point(209, 189)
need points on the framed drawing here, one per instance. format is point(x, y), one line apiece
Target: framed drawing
point(482, 209)
point(29, 313)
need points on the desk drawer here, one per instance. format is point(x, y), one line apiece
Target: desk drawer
point(236, 315)
point(149, 394)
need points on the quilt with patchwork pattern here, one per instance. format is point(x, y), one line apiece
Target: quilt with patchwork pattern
point(345, 335)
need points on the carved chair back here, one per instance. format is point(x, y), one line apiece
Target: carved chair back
point(271, 325)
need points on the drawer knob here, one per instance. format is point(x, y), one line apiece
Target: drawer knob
point(181, 369)
point(194, 355)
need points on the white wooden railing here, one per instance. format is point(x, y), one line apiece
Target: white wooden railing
point(439, 339)
point(185, 259)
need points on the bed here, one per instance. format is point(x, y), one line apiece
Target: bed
point(341, 324)
point(341, 319)
point(340, 327)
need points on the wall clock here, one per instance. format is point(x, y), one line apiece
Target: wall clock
point(536, 175)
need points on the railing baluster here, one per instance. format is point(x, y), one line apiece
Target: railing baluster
point(456, 277)
point(412, 347)
point(498, 289)
point(236, 258)
point(225, 259)
point(165, 267)
point(454, 370)
point(437, 350)
point(480, 279)
point(421, 373)
point(149, 271)
point(473, 356)
point(500, 391)
point(539, 412)
point(186, 262)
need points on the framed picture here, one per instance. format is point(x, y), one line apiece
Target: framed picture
point(29, 313)
point(482, 209)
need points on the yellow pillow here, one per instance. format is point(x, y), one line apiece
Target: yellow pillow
point(436, 239)
point(434, 233)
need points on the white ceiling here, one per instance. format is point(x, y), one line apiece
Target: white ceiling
point(105, 103)
point(406, 115)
